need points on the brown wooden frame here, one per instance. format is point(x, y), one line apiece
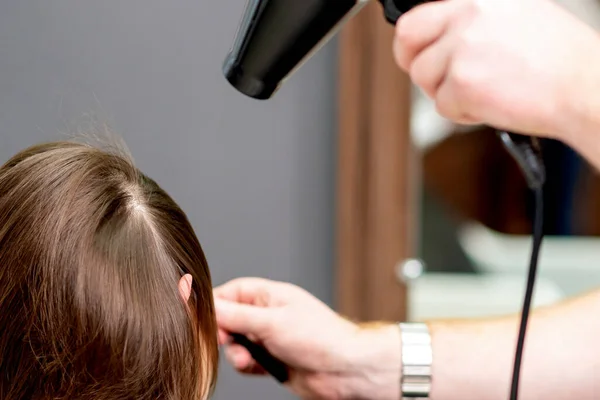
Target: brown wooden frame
point(377, 193)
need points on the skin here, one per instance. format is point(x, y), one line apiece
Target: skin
point(329, 357)
point(185, 287)
point(526, 66)
point(332, 358)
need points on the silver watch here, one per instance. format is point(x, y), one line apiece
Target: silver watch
point(417, 357)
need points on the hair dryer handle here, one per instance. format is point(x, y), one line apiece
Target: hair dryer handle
point(393, 9)
point(273, 366)
point(390, 11)
point(527, 153)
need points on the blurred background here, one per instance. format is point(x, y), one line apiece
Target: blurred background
point(270, 187)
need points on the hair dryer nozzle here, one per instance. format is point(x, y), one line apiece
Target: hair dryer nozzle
point(248, 84)
point(276, 36)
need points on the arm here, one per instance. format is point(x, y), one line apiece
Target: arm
point(332, 358)
point(473, 359)
point(581, 122)
point(561, 357)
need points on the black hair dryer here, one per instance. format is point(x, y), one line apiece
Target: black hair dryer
point(276, 36)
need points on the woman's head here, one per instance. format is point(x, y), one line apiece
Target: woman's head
point(92, 300)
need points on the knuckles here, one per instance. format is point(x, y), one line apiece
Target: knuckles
point(468, 73)
point(461, 76)
point(445, 109)
point(403, 32)
point(421, 79)
point(462, 91)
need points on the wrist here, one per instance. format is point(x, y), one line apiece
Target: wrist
point(579, 124)
point(377, 362)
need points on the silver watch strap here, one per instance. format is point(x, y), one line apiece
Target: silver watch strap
point(417, 358)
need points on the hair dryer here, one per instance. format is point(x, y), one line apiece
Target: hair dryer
point(276, 37)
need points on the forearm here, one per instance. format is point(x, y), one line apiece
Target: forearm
point(578, 122)
point(376, 359)
point(584, 138)
point(474, 359)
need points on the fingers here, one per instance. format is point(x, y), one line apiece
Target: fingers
point(243, 318)
point(255, 291)
point(421, 27)
point(241, 360)
point(223, 337)
point(430, 67)
point(449, 106)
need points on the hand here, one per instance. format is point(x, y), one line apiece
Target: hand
point(518, 65)
point(329, 357)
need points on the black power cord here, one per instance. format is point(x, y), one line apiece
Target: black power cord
point(537, 242)
point(527, 154)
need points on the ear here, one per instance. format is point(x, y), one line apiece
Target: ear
point(185, 287)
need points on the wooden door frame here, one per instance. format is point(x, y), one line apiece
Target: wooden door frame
point(377, 190)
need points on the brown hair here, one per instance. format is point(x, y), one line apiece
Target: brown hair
point(91, 253)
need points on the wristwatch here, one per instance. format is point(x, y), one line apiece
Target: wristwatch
point(417, 357)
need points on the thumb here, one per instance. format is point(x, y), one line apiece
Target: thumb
point(243, 318)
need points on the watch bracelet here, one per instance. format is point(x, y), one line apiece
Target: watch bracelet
point(417, 359)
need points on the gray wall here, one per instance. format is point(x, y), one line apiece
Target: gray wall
point(256, 178)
